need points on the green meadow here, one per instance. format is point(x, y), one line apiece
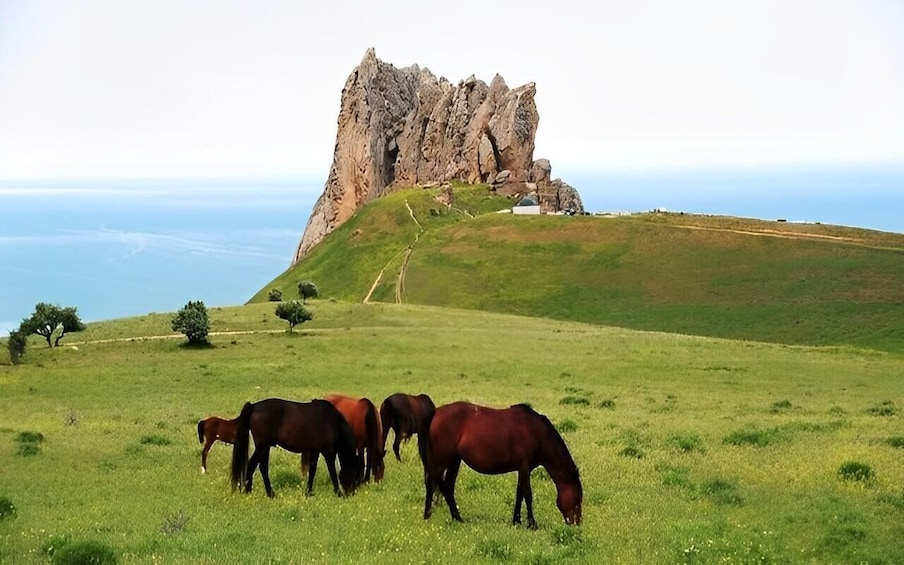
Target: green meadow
point(691, 449)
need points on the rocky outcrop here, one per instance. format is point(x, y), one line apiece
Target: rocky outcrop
point(405, 127)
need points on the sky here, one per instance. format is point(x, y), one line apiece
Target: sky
point(106, 89)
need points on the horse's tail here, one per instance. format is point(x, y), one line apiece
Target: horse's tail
point(385, 421)
point(200, 431)
point(240, 447)
point(423, 441)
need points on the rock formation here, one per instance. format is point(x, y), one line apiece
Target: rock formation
point(404, 127)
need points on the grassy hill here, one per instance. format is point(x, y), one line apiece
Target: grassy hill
point(690, 449)
point(703, 275)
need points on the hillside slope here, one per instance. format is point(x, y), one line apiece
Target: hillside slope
point(702, 275)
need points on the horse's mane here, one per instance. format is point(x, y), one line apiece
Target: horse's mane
point(554, 433)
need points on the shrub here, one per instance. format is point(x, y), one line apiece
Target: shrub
point(28, 449)
point(885, 408)
point(30, 437)
point(750, 436)
point(575, 400)
point(780, 406)
point(293, 312)
point(192, 320)
point(855, 471)
point(896, 441)
point(632, 452)
point(275, 295)
point(16, 344)
point(7, 508)
point(29, 443)
point(607, 404)
point(307, 289)
point(686, 442)
point(83, 552)
point(567, 425)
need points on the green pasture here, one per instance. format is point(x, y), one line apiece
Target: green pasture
point(691, 449)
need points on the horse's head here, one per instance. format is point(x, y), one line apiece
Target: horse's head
point(569, 503)
point(379, 466)
point(348, 478)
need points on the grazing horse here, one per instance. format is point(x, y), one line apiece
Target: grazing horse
point(298, 427)
point(405, 414)
point(210, 430)
point(361, 415)
point(493, 441)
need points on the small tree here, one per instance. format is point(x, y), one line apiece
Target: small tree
point(293, 312)
point(275, 295)
point(192, 321)
point(49, 318)
point(16, 345)
point(307, 289)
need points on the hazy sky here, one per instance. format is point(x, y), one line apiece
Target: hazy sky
point(221, 88)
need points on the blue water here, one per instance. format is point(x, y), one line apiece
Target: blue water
point(118, 249)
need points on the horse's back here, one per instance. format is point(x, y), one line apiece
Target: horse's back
point(489, 440)
point(296, 426)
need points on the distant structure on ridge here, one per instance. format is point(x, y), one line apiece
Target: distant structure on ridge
point(400, 128)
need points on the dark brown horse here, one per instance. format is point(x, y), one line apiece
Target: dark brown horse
point(211, 430)
point(316, 427)
point(492, 442)
point(361, 415)
point(406, 415)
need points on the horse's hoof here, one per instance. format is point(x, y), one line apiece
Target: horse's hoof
point(531, 525)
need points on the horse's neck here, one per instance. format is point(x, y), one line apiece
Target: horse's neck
point(557, 461)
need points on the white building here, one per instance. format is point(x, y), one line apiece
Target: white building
point(526, 205)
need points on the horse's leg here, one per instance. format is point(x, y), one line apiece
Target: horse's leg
point(330, 459)
point(524, 492)
point(447, 487)
point(312, 469)
point(252, 465)
point(368, 458)
point(304, 462)
point(396, 442)
point(207, 445)
point(429, 487)
point(265, 470)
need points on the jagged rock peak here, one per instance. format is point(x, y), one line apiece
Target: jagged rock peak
point(401, 127)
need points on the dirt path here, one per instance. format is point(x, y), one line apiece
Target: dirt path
point(400, 282)
point(170, 336)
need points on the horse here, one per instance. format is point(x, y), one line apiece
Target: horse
point(315, 426)
point(210, 430)
point(405, 414)
point(362, 416)
point(495, 441)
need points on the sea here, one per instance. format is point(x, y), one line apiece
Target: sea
point(127, 248)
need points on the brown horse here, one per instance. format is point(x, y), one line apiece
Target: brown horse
point(316, 427)
point(211, 430)
point(362, 416)
point(493, 441)
point(405, 414)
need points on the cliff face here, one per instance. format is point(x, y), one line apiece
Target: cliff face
point(404, 127)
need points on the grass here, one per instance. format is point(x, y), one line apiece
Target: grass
point(126, 475)
point(701, 275)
